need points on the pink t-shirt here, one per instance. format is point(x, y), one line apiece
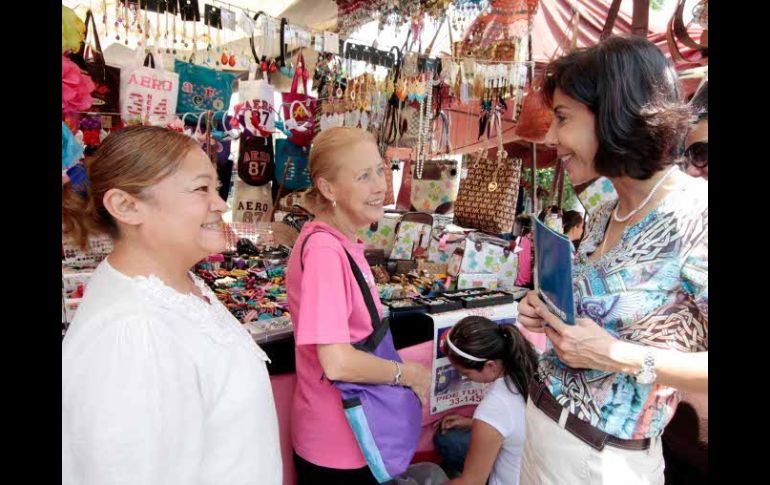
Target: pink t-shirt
point(326, 307)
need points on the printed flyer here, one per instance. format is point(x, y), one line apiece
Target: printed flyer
point(448, 388)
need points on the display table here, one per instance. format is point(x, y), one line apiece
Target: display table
point(413, 336)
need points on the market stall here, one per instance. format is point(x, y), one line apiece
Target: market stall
point(254, 88)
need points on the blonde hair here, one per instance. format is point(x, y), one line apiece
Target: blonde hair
point(131, 160)
point(324, 162)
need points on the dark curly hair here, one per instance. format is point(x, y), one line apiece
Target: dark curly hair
point(632, 89)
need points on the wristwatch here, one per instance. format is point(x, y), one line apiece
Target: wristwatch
point(647, 375)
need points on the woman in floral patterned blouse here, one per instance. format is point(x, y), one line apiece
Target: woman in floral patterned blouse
point(609, 384)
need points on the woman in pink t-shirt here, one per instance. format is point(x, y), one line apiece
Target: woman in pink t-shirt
point(328, 310)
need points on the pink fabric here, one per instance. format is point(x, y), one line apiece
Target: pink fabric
point(536, 339)
point(76, 87)
point(552, 27)
point(525, 262)
point(326, 307)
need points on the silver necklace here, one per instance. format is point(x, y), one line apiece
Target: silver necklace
point(644, 202)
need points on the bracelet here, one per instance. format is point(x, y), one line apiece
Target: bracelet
point(397, 379)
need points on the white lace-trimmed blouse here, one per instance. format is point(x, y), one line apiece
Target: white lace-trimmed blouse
point(159, 387)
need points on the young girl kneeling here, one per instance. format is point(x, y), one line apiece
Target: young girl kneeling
point(484, 351)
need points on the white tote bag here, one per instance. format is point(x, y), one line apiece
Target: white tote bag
point(148, 95)
point(251, 203)
point(258, 98)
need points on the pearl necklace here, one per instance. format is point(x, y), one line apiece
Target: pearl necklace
point(644, 202)
point(424, 133)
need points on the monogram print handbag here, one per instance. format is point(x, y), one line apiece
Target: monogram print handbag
point(489, 188)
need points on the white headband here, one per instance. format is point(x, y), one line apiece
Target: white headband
point(460, 352)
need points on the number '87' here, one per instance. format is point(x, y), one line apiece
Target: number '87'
point(255, 170)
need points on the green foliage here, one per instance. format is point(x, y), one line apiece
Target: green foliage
point(545, 179)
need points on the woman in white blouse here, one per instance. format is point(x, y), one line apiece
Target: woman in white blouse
point(160, 383)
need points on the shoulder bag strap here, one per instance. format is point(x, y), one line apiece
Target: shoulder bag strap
point(380, 327)
point(251, 39)
point(612, 15)
point(639, 19)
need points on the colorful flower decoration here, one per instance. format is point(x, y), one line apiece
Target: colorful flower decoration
point(73, 30)
point(76, 87)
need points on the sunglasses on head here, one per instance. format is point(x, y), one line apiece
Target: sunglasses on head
point(697, 154)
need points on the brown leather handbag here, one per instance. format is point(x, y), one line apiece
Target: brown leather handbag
point(676, 32)
point(487, 196)
point(536, 117)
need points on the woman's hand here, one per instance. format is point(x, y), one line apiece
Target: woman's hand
point(584, 345)
point(454, 421)
point(528, 316)
point(417, 378)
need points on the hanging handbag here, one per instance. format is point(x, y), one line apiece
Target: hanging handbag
point(299, 109)
point(393, 156)
point(487, 196)
point(536, 117)
point(255, 160)
point(201, 88)
point(444, 141)
point(148, 95)
point(676, 32)
point(436, 191)
point(258, 95)
point(385, 420)
point(404, 198)
point(409, 119)
point(258, 99)
point(106, 93)
point(251, 204)
point(298, 172)
point(412, 236)
point(381, 234)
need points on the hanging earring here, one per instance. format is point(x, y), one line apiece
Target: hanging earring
point(224, 57)
point(117, 20)
point(165, 36)
point(173, 49)
point(334, 203)
point(125, 22)
point(231, 61)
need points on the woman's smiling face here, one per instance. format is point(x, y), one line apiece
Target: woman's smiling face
point(573, 134)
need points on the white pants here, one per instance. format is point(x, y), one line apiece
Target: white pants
point(554, 456)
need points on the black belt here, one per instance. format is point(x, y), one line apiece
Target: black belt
point(592, 436)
